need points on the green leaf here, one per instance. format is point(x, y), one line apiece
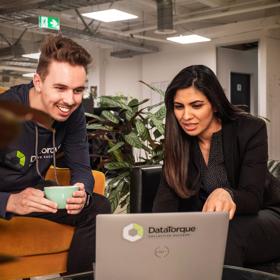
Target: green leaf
point(110, 117)
point(161, 92)
point(116, 153)
point(114, 198)
point(139, 103)
point(142, 130)
point(124, 201)
point(94, 116)
point(114, 103)
point(116, 147)
point(149, 108)
point(118, 185)
point(158, 124)
point(120, 177)
point(129, 115)
point(134, 124)
point(117, 165)
point(160, 114)
point(133, 140)
point(116, 194)
point(125, 188)
point(96, 126)
point(133, 102)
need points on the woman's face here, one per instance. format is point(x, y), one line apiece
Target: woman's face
point(195, 113)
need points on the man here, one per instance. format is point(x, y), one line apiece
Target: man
point(57, 89)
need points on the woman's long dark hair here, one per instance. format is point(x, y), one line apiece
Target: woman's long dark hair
point(177, 142)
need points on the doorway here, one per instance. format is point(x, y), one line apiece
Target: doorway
point(240, 90)
point(237, 71)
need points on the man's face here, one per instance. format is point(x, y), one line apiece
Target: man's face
point(61, 92)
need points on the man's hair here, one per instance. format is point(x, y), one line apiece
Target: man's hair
point(61, 49)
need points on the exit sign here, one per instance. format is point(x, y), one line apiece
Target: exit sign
point(49, 22)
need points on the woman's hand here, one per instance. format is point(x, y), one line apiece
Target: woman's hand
point(220, 200)
point(76, 203)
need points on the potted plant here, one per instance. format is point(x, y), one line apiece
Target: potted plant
point(133, 133)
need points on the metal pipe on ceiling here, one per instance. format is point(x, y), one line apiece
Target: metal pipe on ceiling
point(211, 16)
point(164, 17)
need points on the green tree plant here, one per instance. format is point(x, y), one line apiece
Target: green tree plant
point(133, 132)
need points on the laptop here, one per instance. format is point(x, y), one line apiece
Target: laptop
point(162, 246)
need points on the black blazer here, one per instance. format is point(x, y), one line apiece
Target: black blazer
point(245, 153)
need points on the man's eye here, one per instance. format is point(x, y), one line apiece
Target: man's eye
point(59, 88)
point(79, 90)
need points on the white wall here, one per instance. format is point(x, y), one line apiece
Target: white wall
point(113, 75)
point(271, 50)
point(160, 68)
point(122, 75)
point(96, 68)
point(245, 62)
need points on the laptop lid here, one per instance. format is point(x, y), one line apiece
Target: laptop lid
point(161, 246)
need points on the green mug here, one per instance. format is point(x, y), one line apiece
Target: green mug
point(59, 194)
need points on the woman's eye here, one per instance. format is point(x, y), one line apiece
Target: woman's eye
point(197, 106)
point(178, 106)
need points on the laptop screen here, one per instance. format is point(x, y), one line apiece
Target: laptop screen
point(161, 246)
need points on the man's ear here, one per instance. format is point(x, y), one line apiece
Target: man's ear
point(37, 82)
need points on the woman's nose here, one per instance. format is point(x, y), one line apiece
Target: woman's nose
point(187, 115)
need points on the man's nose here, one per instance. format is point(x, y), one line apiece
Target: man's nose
point(68, 97)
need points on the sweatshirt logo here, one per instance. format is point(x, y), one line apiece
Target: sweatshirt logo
point(15, 159)
point(45, 153)
point(21, 158)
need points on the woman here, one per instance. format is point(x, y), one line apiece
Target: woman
point(216, 160)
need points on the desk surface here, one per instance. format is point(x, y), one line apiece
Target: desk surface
point(230, 273)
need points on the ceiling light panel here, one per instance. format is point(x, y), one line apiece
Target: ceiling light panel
point(28, 75)
point(188, 39)
point(110, 15)
point(32, 55)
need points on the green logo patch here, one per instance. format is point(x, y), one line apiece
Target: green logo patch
point(21, 158)
point(15, 159)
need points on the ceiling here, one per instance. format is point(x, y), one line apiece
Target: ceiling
point(216, 19)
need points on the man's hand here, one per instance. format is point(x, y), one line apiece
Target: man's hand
point(220, 200)
point(28, 201)
point(76, 203)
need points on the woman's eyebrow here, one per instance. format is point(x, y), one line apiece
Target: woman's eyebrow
point(193, 102)
point(196, 101)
